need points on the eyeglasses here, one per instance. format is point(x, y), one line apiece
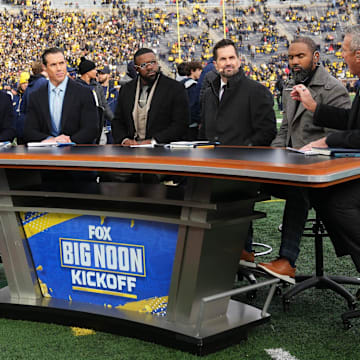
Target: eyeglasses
point(144, 65)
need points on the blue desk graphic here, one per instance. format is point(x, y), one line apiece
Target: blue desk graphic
point(101, 260)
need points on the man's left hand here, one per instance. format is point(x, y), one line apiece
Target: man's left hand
point(321, 143)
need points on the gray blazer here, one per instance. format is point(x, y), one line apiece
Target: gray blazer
point(297, 124)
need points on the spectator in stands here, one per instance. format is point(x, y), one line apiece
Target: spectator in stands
point(36, 80)
point(7, 118)
point(60, 110)
point(194, 69)
point(111, 96)
point(182, 71)
point(297, 129)
point(151, 108)
point(88, 75)
point(18, 97)
point(279, 86)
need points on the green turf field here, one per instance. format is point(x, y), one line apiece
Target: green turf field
point(310, 330)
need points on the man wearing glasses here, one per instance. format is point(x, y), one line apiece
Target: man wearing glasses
point(152, 108)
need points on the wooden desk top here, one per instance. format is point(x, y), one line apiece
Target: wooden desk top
point(243, 163)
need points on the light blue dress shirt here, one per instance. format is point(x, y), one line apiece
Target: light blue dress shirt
point(56, 104)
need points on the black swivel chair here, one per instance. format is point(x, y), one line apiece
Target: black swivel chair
point(319, 279)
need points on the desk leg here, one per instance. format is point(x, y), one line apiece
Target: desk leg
point(14, 251)
point(206, 260)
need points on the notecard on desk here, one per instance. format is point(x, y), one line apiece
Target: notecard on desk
point(191, 144)
point(304, 152)
point(49, 144)
point(5, 144)
point(143, 146)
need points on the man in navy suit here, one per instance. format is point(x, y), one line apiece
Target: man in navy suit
point(61, 110)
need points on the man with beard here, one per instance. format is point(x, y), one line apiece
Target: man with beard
point(297, 129)
point(339, 205)
point(152, 108)
point(236, 110)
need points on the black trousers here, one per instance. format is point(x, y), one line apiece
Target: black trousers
point(339, 209)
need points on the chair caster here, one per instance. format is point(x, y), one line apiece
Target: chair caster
point(286, 305)
point(347, 325)
point(251, 295)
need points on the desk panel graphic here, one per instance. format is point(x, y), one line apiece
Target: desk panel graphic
point(101, 260)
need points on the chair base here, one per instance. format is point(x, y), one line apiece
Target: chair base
point(349, 315)
point(323, 282)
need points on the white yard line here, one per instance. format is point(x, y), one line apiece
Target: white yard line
point(280, 354)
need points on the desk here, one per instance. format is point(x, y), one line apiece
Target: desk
point(209, 216)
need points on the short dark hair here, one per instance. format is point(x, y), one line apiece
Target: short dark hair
point(53, 50)
point(223, 43)
point(142, 51)
point(194, 65)
point(313, 47)
point(183, 69)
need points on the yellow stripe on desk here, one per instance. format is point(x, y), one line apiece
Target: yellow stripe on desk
point(107, 292)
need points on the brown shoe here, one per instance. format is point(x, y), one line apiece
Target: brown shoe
point(247, 259)
point(281, 269)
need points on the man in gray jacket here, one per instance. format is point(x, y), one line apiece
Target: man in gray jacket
point(297, 129)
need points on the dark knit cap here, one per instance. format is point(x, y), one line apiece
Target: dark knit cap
point(85, 66)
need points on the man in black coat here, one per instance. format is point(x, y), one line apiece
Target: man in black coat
point(7, 118)
point(152, 108)
point(339, 206)
point(236, 110)
point(61, 110)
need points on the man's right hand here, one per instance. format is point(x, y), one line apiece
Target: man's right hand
point(301, 93)
point(129, 142)
point(61, 139)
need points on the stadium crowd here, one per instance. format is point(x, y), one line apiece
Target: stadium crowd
point(261, 32)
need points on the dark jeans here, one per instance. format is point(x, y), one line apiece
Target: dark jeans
point(295, 214)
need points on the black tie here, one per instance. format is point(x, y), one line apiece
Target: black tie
point(223, 88)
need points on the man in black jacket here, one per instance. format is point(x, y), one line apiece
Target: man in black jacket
point(236, 110)
point(88, 74)
point(152, 107)
point(339, 206)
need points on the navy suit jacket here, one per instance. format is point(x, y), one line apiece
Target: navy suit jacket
point(79, 116)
